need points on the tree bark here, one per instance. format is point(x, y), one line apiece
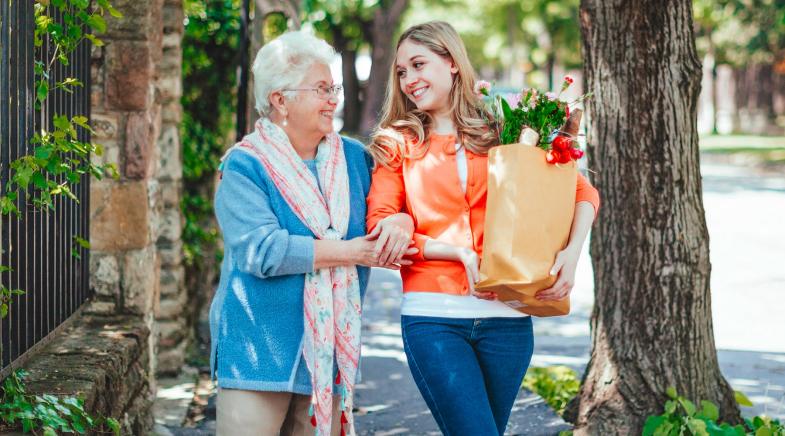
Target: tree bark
point(651, 324)
point(385, 20)
point(351, 84)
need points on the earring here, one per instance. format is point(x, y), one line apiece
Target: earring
point(285, 122)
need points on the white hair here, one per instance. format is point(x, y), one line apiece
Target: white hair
point(283, 62)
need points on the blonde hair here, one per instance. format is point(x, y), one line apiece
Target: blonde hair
point(402, 121)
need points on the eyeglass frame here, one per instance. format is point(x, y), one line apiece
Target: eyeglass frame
point(332, 91)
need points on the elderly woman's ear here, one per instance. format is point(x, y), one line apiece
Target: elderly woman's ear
point(278, 104)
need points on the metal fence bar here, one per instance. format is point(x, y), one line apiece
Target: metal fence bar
point(38, 246)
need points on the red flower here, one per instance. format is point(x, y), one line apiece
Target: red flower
point(567, 111)
point(564, 157)
point(562, 143)
point(568, 79)
point(576, 153)
point(552, 156)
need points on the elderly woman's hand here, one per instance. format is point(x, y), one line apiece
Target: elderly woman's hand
point(393, 237)
point(363, 252)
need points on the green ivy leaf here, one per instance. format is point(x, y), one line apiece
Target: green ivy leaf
point(114, 12)
point(80, 4)
point(652, 424)
point(97, 23)
point(39, 181)
point(61, 122)
point(688, 406)
point(84, 244)
point(709, 410)
point(96, 41)
point(697, 427)
point(113, 425)
point(742, 399)
point(42, 90)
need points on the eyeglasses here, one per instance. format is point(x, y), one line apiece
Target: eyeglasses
point(323, 92)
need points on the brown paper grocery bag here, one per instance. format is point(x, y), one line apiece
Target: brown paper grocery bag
point(529, 214)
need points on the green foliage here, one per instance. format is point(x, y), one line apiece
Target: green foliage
point(740, 31)
point(47, 413)
point(557, 385)
point(210, 54)
point(7, 294)
point(59, 159)
point(683, 417)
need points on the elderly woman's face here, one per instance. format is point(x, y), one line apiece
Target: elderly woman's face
point(308, 112)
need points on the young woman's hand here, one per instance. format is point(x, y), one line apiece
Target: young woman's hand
point(471, 261)
point(565, 265)
point(393, 236)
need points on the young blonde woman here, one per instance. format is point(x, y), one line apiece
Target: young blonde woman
point(467, 351)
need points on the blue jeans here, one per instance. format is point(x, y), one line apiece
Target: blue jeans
point(468, 370)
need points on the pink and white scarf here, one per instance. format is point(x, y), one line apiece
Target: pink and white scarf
point(331, 295)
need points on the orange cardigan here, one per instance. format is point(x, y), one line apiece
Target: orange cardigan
point(429, 190)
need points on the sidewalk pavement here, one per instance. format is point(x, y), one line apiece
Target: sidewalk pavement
point(744, 213)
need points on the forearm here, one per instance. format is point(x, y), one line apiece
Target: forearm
point(437, 250)
point(581, 224)
point(329, 253)
point(403, 220)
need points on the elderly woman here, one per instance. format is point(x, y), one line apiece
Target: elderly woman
point(285, 320)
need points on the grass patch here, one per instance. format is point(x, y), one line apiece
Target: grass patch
point(557, 385)
point(741, 143)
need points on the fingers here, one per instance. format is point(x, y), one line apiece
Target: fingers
point(558, 291)
point(557, 265)
point(374, 233)
point(378, 249)
point(395, 252)
point(485, 295)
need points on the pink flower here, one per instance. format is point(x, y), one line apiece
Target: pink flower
point(482, 87)
point(513, 99)
point(550, 95)
point(567, 82)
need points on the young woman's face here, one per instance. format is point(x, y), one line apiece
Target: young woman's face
point(425, 77)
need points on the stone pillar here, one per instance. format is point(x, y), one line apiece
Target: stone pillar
point(125, 214)
point(172, 316)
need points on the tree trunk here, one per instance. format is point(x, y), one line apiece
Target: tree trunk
point(351, 84)
point(651, 323)
point(385, 20)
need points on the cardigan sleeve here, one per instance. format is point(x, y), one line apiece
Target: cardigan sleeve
point(584, 191)
point(388, 197)
point(251, 230)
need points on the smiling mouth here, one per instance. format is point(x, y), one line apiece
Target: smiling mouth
point(327, 114)
point(417, 93)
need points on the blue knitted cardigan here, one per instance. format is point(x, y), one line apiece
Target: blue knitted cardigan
point(256, 316)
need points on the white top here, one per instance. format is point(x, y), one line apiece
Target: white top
point(438, 304)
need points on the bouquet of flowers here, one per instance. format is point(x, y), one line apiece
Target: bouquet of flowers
point(538, 119)
point(531, 196)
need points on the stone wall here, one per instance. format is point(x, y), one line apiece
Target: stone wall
point(174, 332)
point(105, 360)
point(135, 222)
